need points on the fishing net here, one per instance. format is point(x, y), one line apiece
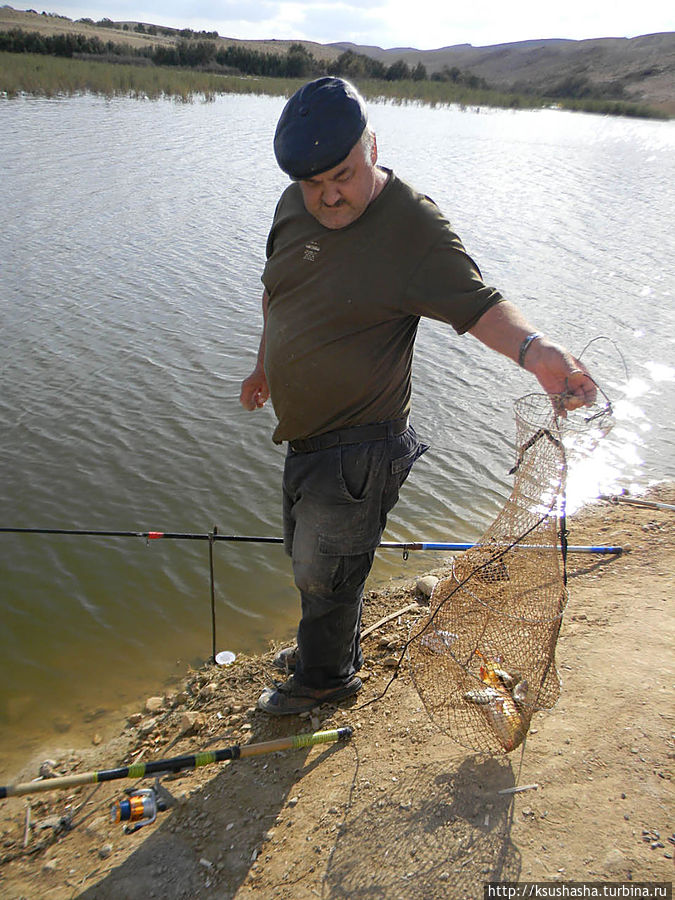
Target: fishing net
point(484, 660)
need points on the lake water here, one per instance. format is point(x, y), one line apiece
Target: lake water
point(131, 246)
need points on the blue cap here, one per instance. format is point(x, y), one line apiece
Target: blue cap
point(318, 127)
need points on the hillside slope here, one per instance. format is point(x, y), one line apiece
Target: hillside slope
point(641, 69)
point(644, 66)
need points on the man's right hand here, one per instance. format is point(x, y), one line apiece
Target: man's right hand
point(254, 390)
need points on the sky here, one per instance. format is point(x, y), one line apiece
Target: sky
point(422, 24)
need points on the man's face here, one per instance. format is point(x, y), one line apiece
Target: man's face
point(337, 198)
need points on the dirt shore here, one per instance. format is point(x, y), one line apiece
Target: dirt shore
point(400, 811)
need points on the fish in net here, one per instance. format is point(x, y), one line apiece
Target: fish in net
point(483, 661)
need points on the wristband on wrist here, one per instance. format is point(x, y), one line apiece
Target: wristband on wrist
point(524, 347)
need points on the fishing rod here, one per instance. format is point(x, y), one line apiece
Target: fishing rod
point(637, 501)
point(214, 536)
point(178, 763)
point(255, 539)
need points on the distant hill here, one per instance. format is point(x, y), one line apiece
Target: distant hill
point(644, 66)
point(641, 69)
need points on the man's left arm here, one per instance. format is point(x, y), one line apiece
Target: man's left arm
point(505, 329)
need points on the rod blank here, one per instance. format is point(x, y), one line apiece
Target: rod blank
point(178, 763)
point(254, 539)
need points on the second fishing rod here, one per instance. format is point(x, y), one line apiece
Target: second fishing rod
point(214, 536)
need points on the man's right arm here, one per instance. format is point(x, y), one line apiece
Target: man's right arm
point(254, 389)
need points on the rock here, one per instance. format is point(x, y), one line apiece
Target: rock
point(97, 739)
point(154, 704)
point(47, 769)
point(105, 851)
point(425, 584)
point(208, 691)
point(135, 719)
point(50, 866)
point(390, 661)
point(385, 640)
point(191, 722)
point(147, 726)
point(58, 823)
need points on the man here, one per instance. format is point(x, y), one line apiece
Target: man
point(354, 258)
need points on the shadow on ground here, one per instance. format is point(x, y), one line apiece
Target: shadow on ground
point(435, 833)
point(205, 843)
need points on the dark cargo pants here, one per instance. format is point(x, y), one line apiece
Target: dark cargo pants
point(336, 502)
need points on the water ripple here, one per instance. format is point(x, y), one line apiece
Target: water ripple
point(132, 244)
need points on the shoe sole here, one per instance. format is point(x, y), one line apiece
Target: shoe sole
point(306, 704)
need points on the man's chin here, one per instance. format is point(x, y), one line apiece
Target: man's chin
point(336, 218)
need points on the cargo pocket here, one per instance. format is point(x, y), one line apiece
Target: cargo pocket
point(400, 468)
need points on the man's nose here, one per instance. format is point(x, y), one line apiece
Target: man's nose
point(331, 195)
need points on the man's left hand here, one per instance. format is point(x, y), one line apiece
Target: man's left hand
point(561, 375)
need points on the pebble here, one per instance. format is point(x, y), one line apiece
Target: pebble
point(56, 822)
point(385, 640)
point(135, 719)
point(426, 584)
point(191, 722)
point(208, 691)
point(47, 769)
point(147, 726)
point(154, 704)
point(105, 851)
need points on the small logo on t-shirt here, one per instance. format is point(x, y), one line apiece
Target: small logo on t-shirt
point(311, 250)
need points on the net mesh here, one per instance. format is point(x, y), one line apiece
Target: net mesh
point(484, 660)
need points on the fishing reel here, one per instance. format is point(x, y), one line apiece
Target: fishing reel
point(140, 808)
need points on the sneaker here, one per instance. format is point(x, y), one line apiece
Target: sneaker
point(289, 698)
point(286, 659)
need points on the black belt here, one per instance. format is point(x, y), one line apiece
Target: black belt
point(355, 435)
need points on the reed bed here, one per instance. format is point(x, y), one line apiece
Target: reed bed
point(52, 76)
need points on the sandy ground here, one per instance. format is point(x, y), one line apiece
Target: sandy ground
point(401, 810)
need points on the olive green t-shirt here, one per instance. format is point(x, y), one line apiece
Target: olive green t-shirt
point(344, 306)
